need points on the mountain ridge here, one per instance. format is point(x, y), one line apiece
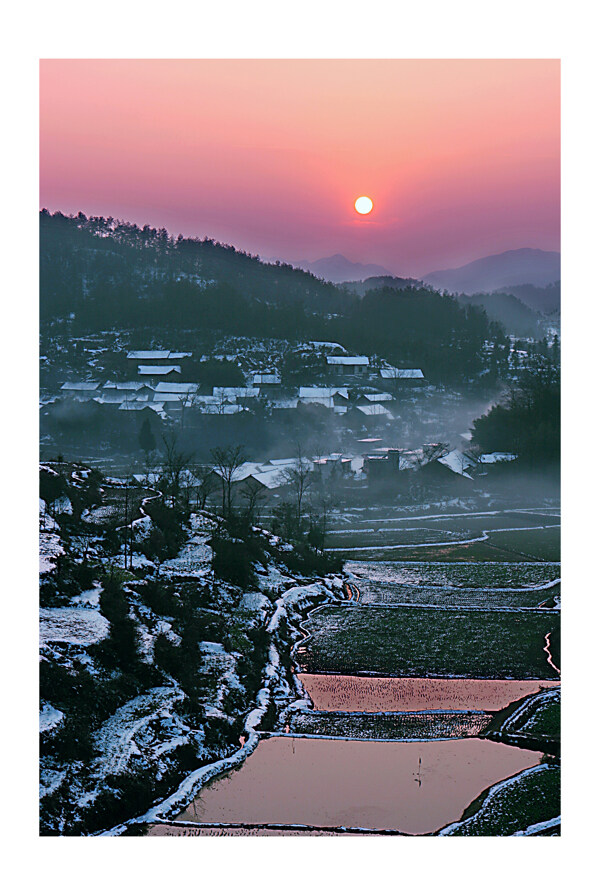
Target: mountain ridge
point(491, 273)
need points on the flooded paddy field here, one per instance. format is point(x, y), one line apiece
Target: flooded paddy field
point(419, 642)
point(452, 618)
point(344, 693)
point(414, 788)
point(390, 725)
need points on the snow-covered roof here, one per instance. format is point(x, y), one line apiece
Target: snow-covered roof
point(375, 410)
point(157, 407)
point(270, 474)
point(174, 387)
point(148, 370)
point(352, 361)
point(133, 386)
point(266, 379)
point(148, 355)
point(457, 462)
point(242, 472)
point(397, 373)
point(170, 397)
point(89, 386)
point(179, 355)
point(379, 397)
point(310, 391)
point(497, 457)
point(270, 478)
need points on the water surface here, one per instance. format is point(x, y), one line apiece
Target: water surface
point(371, 785)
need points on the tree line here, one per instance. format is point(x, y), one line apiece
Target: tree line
point(106, 273)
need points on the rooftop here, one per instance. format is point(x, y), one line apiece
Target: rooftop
point(146, 370)
point(352, 361)
point(89, 386)
point(176, 387)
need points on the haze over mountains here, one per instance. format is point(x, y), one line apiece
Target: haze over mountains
point(337, 269)
point(494, 272)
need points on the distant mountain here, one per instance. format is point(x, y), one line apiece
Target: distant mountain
point(499, 272)
point(515, 316)
point(540, 298)
point(337, 269)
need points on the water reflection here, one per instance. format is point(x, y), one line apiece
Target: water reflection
point(413, 787)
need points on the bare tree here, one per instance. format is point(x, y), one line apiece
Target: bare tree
point(299, 479)
point(227, 461)
point(326, 502)
point(204, 484)
point(174, 463)
point(253, 494)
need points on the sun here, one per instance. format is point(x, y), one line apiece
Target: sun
point(364, 205)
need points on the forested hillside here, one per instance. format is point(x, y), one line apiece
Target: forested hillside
point(103, 274)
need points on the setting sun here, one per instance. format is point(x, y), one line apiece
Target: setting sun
point(363, 205)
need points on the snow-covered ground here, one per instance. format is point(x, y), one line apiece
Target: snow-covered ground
point(89, 597)
point(50, 547)
point(222, 664)
point(49, 717)
point(116, 739)
point(195, 556)
point(67, 625)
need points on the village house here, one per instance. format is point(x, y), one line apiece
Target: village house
point(344, 365)
point(113, 391)
point(269, 384)
point(155, 373)
point(81, 391)
point(148, 410)
point(156, 356)
point(244, 397)
point(336, 399)
point(153, 358)
point(366, 398)
point(333, 465)
point(402, 377)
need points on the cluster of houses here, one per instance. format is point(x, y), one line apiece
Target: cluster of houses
point(157, 386)
point(437, 460)
point(370, 464)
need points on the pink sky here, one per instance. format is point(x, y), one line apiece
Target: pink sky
point(461, 157)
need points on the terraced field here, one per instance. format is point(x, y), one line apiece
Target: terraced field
point(411, 642)
point(496, 534)
point(457, 585)
point(489, 575)
point(390, 725)
point(525, 804)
